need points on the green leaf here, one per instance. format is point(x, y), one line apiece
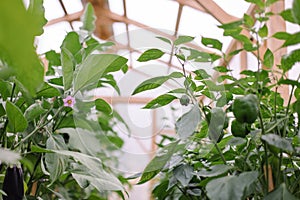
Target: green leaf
point(248, 20)
point(84, 139)
point(67, 68)
point(155, 82)
point(164, 39)
point(5, 89)
point(183, 39)
point(16, 120)
point(278, 142)
point(282, 35)
point(53, 58)
point(270, 2)
point(158, 162)
point(150, 54)
point(230, 187)
point(103, 106)
point(184, 174)
point(263, 31)
point(287, 15)
point(212, 43)
point(268, 59)
point(94, 67)
point(295, 11)
point(48, 91)
point(34, 111)
point(9, 157)
point(17, 49)
point(188, 122)
point(88, 19)
point(222, 69)
point(2, 110)
point(232, 25)
point(280, 193)
point(56, 164)
point(109, 79)
point(160, 101)
point(214, 170)
point(288, 82)
point(288, 61)
point(101, 181)
point(37, 12)
point(117, 141)
point(259, 3)
point(292, 40)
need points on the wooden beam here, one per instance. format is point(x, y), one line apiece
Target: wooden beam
point(276, 24)
point(216, 11)
point(191, 4)
point(119, 18)
point(69, 18)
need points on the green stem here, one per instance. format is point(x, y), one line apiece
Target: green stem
point(221, 154)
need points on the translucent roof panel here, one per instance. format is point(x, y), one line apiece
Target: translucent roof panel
point(199, 24)
point(236, 8)
point(155, 13)
point(53, 9)
point(116, 6)
point(73, 6)
point(52, 37)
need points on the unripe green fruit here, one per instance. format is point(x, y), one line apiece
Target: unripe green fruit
point(239, 129)
point(184, 100)
point(217, 120)
point(245, 108)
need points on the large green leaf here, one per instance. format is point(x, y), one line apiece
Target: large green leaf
point(34, 111)
point(16, 120)
point(36, 10)
point(158, 162)
point(151, 54)
point(67, 68)
point(214, 170)
point(88, 18)
point(155, 82)
point(288, 61)
point(230, 187)
point(184, 174)
point(187, 123)
point(94, 67)
point(295, 11)
point(292, 40)
point(281, 193)
point(268, 59)
point(160, 101)
point(48, 91)
point(101, 180)
point(56, 164)
point(287, 15)
point(16, 42)
point(278, 142)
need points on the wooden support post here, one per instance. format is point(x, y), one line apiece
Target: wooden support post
point(275, 24)
point(104, 28)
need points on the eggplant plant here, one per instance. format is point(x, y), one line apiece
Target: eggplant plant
point(240, 137)
point(50, 146)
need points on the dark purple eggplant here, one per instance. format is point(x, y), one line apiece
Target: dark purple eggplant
point(13, 184)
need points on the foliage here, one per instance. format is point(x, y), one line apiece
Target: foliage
point(256, 156)
point(45, 125)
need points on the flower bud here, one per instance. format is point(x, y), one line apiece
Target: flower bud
point(13, 184)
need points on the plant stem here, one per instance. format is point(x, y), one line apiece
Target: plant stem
point(221, 154)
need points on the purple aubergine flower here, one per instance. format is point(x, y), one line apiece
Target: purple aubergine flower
point(69, 101)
